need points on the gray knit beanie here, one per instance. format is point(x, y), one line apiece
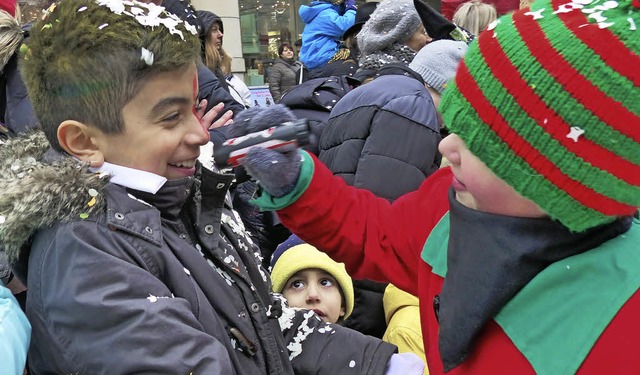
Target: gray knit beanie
point(437, 62)
point(394, 21)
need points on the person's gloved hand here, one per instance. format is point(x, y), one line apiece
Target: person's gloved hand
point(405, 364)
point(276, 172)
point(255, 119)
point(350, 4)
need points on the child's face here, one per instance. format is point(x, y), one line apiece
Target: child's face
point(477, 187)
point(162, 133)
point(316, 290)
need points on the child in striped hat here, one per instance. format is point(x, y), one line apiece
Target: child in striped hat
point(524, 254)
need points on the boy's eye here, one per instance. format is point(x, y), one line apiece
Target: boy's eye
point(172, 117)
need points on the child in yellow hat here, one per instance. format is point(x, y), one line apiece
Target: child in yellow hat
point(309, 279)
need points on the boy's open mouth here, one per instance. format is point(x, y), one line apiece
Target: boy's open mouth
point(184, 164)
point(319, 312)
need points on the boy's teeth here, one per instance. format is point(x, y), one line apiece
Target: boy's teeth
point(185, 164)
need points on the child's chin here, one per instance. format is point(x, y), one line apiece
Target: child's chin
point(175, 173)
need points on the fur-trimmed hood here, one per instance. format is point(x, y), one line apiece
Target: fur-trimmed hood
point(40, 187)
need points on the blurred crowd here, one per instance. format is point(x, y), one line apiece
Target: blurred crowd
point(461, 197)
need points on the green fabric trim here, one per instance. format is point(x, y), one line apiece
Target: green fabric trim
point(596, 284)
point(531, 318)
point(434, 252)
point(462, 119)
point(268, 203)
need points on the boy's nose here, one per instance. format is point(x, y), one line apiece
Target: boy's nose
point(450, 148)
point(198, 135)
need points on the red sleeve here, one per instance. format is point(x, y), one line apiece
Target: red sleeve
point(375, 239)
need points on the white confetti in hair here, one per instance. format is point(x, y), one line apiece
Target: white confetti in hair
point(154, 15)
point(146, 56)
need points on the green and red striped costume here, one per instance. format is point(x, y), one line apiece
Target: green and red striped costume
point(530, 79)
point(549, 100)
point(585, 321)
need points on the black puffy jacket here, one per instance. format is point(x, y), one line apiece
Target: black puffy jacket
point(383, 136)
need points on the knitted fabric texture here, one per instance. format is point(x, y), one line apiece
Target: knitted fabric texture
point(393, 22)
point(397, 53)
point(304, 256)
point(549, 99)
point(290, 242)
point(437, 62)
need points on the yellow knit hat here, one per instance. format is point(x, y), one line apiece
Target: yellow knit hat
point(305, 256)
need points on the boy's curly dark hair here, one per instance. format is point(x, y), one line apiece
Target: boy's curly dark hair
point(86, 60)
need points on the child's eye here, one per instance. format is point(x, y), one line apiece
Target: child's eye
point(172, 117)
point(297, 284)
point(326, 282)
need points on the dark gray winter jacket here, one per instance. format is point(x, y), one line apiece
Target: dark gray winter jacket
point(134, 282)
point(383, 136)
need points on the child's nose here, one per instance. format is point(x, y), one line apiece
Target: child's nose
point(313, 294)
point(450, 148)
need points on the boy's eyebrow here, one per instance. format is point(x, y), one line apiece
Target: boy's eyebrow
point(169, 102)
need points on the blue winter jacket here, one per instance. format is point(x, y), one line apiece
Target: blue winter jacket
point(321, 35)
point(15, 333)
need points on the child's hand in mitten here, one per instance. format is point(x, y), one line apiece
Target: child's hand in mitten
point(405, 364)
point(276, 172)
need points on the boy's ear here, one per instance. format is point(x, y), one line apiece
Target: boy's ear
point(78, 140)
point(343, 310)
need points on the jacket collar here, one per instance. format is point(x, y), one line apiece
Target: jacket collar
point(132, 178)
point(140, 212)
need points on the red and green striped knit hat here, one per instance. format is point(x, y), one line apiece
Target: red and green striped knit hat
point(549, 99)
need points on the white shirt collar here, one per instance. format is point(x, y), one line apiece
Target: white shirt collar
point(132, 178)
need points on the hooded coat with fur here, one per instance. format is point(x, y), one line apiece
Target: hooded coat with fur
point(124, 281)
point(16, 111)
